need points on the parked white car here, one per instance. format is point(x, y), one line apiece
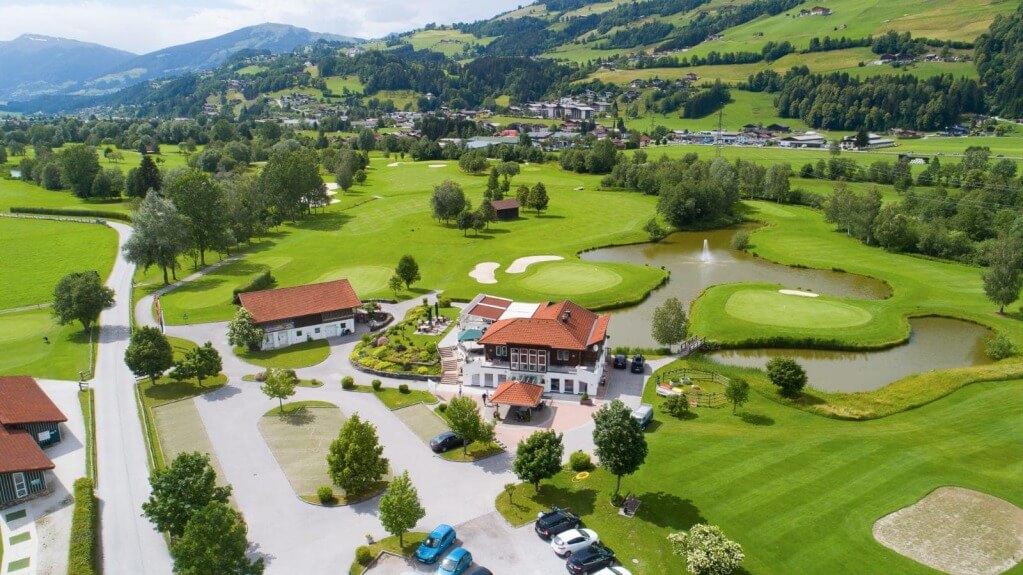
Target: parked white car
point(568, 542)
point(613, 570)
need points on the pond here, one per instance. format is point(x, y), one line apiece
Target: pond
point(682, 254)
point(934, 343)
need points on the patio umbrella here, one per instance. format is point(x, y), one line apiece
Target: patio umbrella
point(436, 308)
point(429, 314)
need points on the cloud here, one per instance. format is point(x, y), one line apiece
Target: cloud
point(145, 25)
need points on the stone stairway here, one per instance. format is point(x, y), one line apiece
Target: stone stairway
point(449, 365)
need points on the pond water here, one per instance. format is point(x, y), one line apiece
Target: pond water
point(683, 255)
point(934, 343)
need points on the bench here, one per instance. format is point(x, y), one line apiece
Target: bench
point(630, 506)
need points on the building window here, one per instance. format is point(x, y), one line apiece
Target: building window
point(515, 358)
point(317, 330)
point(298, 333)
point(562, 355)
point(501, 378)
point(501, 351)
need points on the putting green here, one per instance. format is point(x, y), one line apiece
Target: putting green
point(773, 308)
point(570, 278)
point(364, 279)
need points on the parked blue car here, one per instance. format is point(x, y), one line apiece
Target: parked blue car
point(435, 544)
point(456, 563)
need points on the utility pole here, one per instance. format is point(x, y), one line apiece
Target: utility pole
point(717, 138)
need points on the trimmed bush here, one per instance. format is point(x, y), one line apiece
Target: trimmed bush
point(442, 407)
point(73, 213)
point(364, 555)
point(740, 241)
point(325, 494)
point(262, 281)
point(347, 382)
point(999, 347)
point(377, 385)
point(676, 405)
point(83, 554)
point(403, 388)
point(580, 461)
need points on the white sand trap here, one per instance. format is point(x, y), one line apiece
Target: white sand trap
point(393, 164)
point(484, 272)
point(579, 189)
point(520, 265)
point(438, 165)
point(956, 530)
point(335, 201)
point(332, 187)
point(798, 293)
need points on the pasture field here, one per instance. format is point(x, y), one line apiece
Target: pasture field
point(37, 253)
point(799, 492)
point(447, 41)
point(337, 84)
point(365, 235)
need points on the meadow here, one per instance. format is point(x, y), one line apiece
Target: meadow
point(799, 492)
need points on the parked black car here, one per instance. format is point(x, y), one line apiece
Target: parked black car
point(619, 361)
point(478, 571)
point(446, 442)
point(555, 521)
point(596, 556)
point(637, 364)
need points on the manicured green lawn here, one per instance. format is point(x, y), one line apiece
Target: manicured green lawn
point(395, 399)
point(570, 279)
point(25, 352)
point(364, 242)
point(412, 541)
point(799, 492)
point(299, 355)
point(18, 193)
point(37, 253)
point(296, 406)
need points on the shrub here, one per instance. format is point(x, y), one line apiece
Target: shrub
point(347, 382)
point(999, 347)
point(584, 397)
point(363, 555)
point(315, 383)
point(676, 405)
point(787, 374)
point(83, 554)
point(444, 302)
point(377, 384)
point(260, 282)
point(442, 407)
point(403, 388)
point(261, 376)
point(73, 213)
point(740, 240)
point(325, 493)
point(580, 461)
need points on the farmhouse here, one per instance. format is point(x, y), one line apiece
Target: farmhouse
point(807, 140)
point(560, 346)
point(29, 421)
point(302, 313)
point(506, 209)
point(873, 141)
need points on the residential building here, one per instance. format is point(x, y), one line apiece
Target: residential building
point(302, 313)
point(873, 141)
point(561, 346)
point(29, 421)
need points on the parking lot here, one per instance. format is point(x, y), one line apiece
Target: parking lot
point(495, 545)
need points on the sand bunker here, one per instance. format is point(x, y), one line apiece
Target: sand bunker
point(956, 530)
point(484, 272)
point(798, 293)
point(332, 187)
point(393, 164)
point(520, 265)
point(438, 165)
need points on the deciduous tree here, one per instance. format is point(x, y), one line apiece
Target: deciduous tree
point(538, 198)
point(737, 392)
point(243, 331)
point(539, 457)
point(280, 385)
point(159, 236)
point(81, 296)
point(214, 542)
point(788, 375)
point(620, 444)
point(463, 415)
point(407, 270)
point(201, 201)
point(448, 200)
point(707, 550)
point(149, 353)
point(180, 490)
point(355, 459)
point(400, 508)
point(80, 166)
point(1004, 276)
point(670, 323)
point(203, 362)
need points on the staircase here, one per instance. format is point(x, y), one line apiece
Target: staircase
point(449, 365)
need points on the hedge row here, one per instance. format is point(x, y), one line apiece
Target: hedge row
point(73, 213)
point(263, 281)
point(83, 555)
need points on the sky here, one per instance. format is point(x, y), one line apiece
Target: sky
point(142, 26)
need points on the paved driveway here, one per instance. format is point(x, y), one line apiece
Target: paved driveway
point(495, 545)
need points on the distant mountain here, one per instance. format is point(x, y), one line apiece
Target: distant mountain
point(35, 64)
point(71, 67)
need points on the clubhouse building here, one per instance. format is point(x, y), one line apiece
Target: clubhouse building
point(29, 422)
point(292, 315)
point(561, 346)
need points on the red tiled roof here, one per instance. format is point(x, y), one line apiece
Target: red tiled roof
point(23, 401)
point(19, 452)
point(504, 204)
point(549, 327)
point(496, 301)
point(287, 303)
point(487, 311)
point(518, 394)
